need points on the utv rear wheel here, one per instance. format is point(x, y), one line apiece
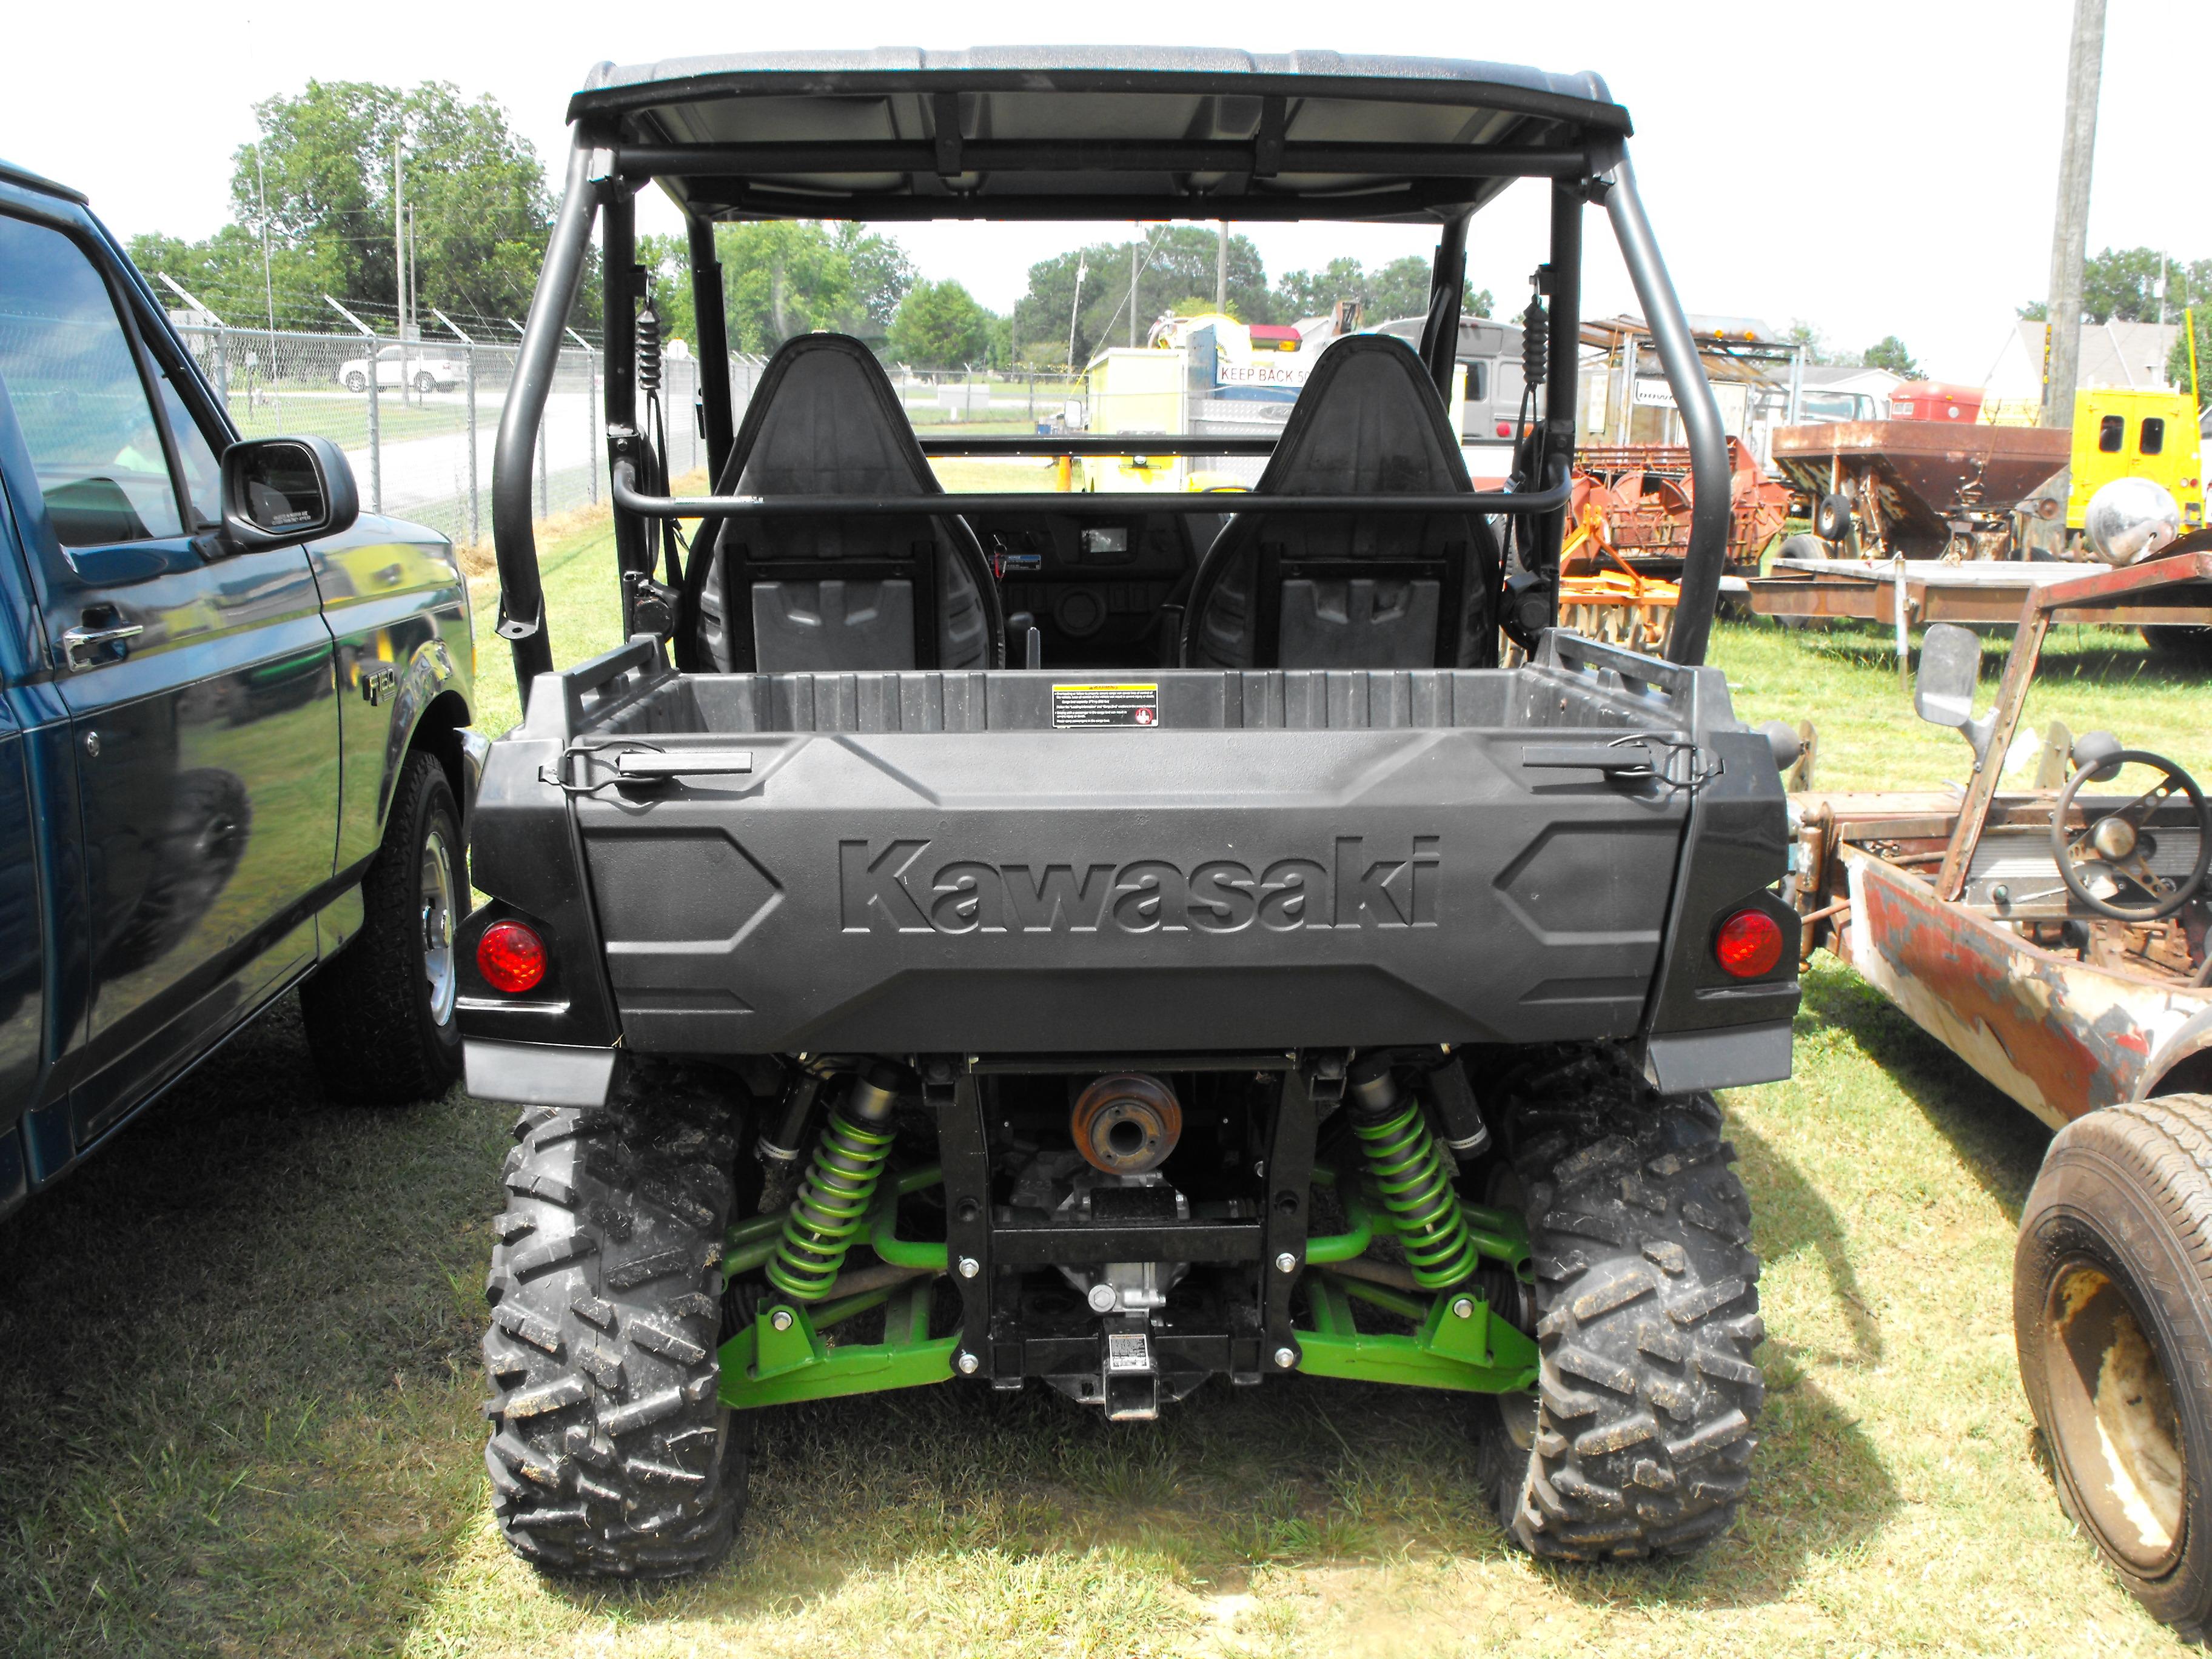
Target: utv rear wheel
point(2113, 1313)
point(380, 1014)
point(1639, 1441)
point(611, 1453)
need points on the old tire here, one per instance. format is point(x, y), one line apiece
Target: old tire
point(1639, 1442)
point(611, 1454)
point(1831, 519)
point(2187, 648)
point(2113, 1313)
point(380, 1014)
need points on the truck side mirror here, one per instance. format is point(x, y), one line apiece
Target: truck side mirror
point(1943, 691)
point(279, 492)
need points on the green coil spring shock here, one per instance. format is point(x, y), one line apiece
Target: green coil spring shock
point(1412, 1176)
point(832, 1206)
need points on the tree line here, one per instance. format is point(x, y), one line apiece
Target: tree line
point(2143, 285)
point(312, 214)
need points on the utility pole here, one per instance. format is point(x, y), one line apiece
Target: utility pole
point(1133, 295)
point(268, 286)
point(1074, 310)
point(2070, 238)
point(399, 256)
point(1221, 269)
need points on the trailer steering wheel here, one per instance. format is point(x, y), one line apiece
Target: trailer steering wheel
point(2114, 840)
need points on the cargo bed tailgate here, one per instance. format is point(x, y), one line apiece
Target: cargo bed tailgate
point(1413, 861)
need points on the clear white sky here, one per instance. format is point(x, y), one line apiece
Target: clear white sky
point(1876, 167)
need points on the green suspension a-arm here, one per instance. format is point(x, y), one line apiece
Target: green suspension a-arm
point(1458, 1342)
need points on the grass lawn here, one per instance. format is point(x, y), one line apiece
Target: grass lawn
point(242, 1419)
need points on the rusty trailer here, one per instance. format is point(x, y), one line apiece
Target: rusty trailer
point(1925, 489)
point(1984, 593)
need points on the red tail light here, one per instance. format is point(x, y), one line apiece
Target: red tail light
point(511, 957)
point(1749, 944)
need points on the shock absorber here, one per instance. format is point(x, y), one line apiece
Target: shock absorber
point(648, 349)
point(1411, 1175)
point(832, 1206)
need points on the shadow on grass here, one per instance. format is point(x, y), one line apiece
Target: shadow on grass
point(231, 1327)
point(1999, 1142)
point(1301, 1473)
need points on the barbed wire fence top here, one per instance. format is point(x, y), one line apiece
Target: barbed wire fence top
point(417, 418)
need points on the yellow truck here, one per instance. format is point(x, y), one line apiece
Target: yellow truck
point(2136, 435)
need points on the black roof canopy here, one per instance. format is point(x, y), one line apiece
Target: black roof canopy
point(1059, 132)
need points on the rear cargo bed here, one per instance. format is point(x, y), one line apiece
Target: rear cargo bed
point(962, 861)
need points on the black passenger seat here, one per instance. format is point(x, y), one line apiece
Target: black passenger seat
point(1280, 590)
point(839, 593)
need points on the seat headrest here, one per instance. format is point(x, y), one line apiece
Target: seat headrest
point(1369, 421)
point(824, 420)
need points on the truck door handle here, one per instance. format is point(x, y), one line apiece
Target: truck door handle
point(81, 644)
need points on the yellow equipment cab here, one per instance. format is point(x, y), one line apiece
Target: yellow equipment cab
point(2136, 435)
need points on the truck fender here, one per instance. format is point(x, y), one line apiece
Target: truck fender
point(2183, 1063)
point(430, 711)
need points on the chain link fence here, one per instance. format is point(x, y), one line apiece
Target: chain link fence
point(418, 419)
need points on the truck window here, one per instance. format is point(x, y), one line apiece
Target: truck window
point(1477, 381)
point(68, 372)
point(2154, 436)
point(2111, 432)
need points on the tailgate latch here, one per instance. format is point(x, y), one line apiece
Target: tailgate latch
point(644, 767)
point(1665, 757)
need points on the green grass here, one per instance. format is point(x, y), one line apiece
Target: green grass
point(241, 1416)
point(1843, 679)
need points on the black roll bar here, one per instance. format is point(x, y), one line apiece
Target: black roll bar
point(1440, 327)
point(1115, 503)
point(522, 598)
point(1123, 443)
point(591, 172)
point(1701, 416)
point(714, 343)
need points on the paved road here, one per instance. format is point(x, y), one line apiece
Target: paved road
point(434, 470)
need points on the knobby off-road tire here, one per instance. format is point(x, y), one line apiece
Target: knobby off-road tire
point(1639, 1440)
point(611, 1451)
point(379, 1024)
point(2113, 1313)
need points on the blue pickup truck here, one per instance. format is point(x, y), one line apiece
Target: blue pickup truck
point(234, 714)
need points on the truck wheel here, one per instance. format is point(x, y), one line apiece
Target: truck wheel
point(356, 382)
point(1831, 519)
point(1639, 1441)
point(611, 1453)
point(380, 1014)
point(2112, 1312)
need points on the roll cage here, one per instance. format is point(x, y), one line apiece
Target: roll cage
point(1097, 134)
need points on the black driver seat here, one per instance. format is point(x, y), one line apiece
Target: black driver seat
point(1351, 589)
point(841, 593)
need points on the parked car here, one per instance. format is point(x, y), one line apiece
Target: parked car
point(233, 754)
point(403, 365)
point(1284, 986)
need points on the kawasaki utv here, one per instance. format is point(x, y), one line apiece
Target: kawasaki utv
point(1261, 980)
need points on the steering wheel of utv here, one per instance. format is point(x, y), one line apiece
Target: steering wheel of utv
point(2114, 841)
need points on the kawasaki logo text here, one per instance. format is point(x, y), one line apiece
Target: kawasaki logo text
point(899, 887)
